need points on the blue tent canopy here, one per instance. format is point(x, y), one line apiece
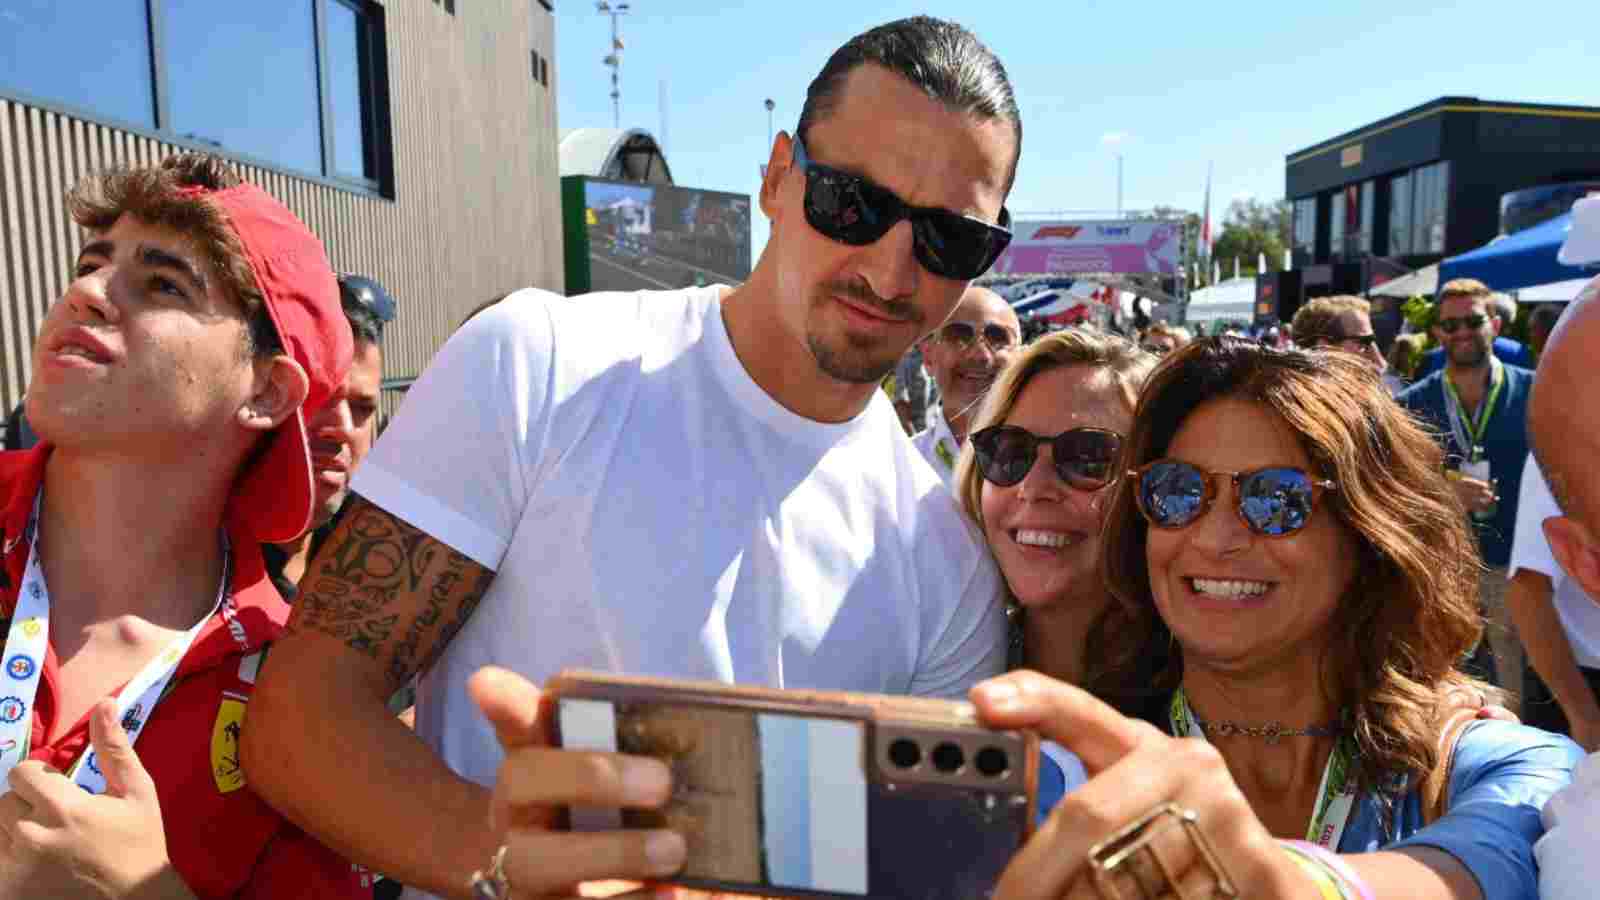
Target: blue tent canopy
point(1524, 259)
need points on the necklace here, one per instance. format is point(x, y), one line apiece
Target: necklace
point(1272, 731)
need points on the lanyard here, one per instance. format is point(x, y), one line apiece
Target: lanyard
point(1469, 431)
point(25, 648)
point(1336, 796)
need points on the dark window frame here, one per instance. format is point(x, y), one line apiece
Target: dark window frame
point(377, 120)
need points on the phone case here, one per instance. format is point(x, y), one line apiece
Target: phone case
point(813, 793)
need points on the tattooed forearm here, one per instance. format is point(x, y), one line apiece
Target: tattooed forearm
point(388, 591)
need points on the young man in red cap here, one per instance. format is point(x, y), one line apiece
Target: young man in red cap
point(170, 387)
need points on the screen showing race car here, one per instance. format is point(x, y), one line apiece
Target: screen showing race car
point(633, 237)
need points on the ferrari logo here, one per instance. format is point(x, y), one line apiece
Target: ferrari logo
point(225, 746)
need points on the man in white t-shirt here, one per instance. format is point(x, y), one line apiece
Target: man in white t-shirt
point(965, 357)
point(1565, 432)
point(1558, 623)
point(703, 483)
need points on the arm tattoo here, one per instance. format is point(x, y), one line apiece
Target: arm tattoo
point(388, 591)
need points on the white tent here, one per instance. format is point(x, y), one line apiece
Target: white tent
point(1423, 282)
point(1231, 300)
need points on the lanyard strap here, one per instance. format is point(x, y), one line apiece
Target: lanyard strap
point(1336, 796)
point(1468, 429)
point(26, 645)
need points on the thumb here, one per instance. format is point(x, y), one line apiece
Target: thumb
point(513, 705)
point(125, 774)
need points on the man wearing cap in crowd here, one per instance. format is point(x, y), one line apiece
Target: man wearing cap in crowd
point(168, 382)
point(342, 431)
point(1565, 432)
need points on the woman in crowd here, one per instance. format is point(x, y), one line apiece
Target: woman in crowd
point(1068, 399)
point(1285, 541)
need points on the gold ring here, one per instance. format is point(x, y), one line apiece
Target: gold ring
point(1138, 837)
point(493, 884)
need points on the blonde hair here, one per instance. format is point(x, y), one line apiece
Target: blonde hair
point(1468, 287)
point(1125, 363)
point(1318, 320)
point(1176, 332)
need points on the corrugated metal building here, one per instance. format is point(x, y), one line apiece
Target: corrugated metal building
point(416, 137)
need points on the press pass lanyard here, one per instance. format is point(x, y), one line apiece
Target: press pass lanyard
point(25, 648)
point(1467, 429)
point(1336, 798)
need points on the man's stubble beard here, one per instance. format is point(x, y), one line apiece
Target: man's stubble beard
point(842, 365)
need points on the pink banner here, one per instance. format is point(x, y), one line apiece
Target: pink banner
point(1118, 247)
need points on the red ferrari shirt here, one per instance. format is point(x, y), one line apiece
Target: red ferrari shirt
point(223, 839)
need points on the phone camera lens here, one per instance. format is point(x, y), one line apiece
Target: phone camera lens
point(905, 753)
point(948, 758)
point(992, 762)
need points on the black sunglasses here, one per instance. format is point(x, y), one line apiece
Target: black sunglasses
point(1276, 501)
point(962, 335)
point(852, 210)
point(1472, 323)
point(362, 291)
point(1084, 457)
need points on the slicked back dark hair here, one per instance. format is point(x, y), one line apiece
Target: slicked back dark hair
point(942, 59)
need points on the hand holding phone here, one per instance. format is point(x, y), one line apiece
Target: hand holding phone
point(537, 781)
point(805, 794)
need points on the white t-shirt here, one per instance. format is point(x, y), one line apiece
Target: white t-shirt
point(1580, 615)
point(649, 509)
point(1568, 863)
point(927, 442)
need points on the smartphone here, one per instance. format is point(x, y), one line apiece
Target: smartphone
point(809, 793)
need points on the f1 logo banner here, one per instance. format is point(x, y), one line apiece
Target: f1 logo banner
point(1111, 247)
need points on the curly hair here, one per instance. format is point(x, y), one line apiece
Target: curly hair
point(155, 195)
point(1411, 612)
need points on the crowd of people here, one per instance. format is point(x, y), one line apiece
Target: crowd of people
point(1241, 586)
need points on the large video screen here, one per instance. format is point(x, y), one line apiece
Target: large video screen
point(653, 236)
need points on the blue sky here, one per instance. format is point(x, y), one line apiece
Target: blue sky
point(1170, 85)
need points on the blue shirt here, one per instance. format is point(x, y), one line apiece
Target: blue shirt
point(1512, 353)
point(1505, 443)
point(1502, 776)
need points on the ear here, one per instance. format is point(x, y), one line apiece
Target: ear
point(1576, 551)
point(1496, 325)
point(279, 389)
point(778, 165)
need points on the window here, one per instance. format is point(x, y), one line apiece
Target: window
point(1400, 216)
point(246, 81)
point(544, 71)
point(1430, 192)
point(349, 95)
point(110, 53)
point(296, 84)
point(1305, 231)
point(1364, 226)
point(1337, 218)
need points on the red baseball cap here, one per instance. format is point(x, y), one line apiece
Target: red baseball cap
point(273, 499)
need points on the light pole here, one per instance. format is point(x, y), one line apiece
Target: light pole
point(614, 58)
point(770, 106)
point(1119, 185)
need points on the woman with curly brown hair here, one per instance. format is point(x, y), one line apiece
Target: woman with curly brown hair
point(1285, 542)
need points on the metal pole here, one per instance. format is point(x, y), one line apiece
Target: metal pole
point(616, 71)
point(769, 104)
point(1119, 185)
